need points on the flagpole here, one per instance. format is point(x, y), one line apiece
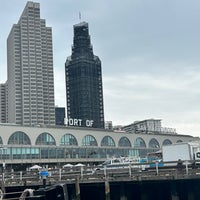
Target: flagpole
point(80, 16)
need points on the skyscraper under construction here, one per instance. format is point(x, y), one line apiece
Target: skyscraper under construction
point(84, 89)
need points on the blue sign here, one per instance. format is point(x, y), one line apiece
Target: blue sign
point(44, 173)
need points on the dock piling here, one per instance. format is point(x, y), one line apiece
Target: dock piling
point(107, 189)
point(77, 187)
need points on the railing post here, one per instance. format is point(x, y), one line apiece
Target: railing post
point(81, 172)
point(60, 174)
point(130, 170)
point(157, 168)
point(186, 167)
point(20, 178)
point(104, 170)
point(3, 177)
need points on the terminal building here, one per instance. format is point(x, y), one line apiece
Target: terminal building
point(21, 146)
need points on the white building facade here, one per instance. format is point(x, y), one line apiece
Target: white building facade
point(59, 145)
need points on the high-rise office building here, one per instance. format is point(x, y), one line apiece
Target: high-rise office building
point(30, 70)
point(84, 82)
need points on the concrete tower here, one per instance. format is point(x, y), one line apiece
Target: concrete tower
point(84, 82)
point(30, 70)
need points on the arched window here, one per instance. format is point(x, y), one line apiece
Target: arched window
point(139, 142)
point(19, 138)
point(45, 139)
point(153, 143)
point(124, 142)
point(89, 140)
point(179, 141)
point(68, 140)
point(166, 142)
point(107, 141)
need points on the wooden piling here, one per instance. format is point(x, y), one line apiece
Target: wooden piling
point(107, 189)
point(77, 187)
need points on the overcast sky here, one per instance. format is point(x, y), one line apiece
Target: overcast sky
point(150, 53)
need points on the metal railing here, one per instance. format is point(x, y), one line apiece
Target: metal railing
point(133, 172)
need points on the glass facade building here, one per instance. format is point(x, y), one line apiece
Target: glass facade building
point(84, 81)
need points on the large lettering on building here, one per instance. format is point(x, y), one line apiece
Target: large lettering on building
point(79, 122)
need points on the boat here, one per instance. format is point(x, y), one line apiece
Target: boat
point(121, 162)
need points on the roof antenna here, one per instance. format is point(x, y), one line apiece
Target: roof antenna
point(80, 16)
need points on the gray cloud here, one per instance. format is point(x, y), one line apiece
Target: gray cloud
point(134, 97)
